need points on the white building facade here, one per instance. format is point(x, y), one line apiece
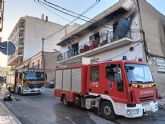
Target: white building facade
point(121, 30)
point(27, 35)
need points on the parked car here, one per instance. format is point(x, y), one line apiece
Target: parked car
point(50, 84)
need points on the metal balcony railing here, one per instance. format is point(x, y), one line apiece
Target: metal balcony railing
point(20, 43)
point(106, 37)
point(15, 56)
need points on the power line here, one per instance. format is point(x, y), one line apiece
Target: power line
point(52, 11)
point(51, 35)
point(70, 10)
point(97, 1)
point(73, 20)
point(78, 17)
point(55, 14)
point(62, 11)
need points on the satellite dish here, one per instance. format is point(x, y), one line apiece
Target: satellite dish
point(7, 48)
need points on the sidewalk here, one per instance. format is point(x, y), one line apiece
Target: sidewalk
point(6, 117)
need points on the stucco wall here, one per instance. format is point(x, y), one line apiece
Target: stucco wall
point(118, 53)
point(153, 25)
point(35, 29)
point(50, 65)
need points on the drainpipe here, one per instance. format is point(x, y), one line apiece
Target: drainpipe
point(143, 32)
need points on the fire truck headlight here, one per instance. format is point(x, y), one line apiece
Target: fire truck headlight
point(132, 111)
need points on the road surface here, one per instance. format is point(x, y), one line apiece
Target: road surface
point(45, 109)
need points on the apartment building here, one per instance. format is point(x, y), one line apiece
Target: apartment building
point(4, 71)
point(1, 14)
point(131, 28)
point(27, 36)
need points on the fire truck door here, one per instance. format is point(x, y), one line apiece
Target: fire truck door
point(94, 85)
point(114, 82)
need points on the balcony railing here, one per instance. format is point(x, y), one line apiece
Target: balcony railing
point(106, 37)
point(15, 56)
point(20, 43)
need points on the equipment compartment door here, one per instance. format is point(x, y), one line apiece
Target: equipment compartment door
point(94, 79)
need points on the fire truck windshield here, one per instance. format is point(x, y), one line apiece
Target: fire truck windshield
point(138, 73)
point(34, 75)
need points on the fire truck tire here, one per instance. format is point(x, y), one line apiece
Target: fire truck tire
point(107, 111)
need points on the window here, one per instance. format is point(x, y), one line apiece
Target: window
point(138, 73)
point(113, 73)
point(34, 75)
point(95, 38)
point(94, 73)
point(121, 28)
point(110, 71)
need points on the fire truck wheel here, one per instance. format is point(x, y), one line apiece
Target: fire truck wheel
point(64, 100)
point(107, 111)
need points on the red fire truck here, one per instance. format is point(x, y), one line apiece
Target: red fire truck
point(26, 81)
point(121, 87)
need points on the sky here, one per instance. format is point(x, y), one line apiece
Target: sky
point(14, 9)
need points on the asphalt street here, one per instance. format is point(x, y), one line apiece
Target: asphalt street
point(45, 109)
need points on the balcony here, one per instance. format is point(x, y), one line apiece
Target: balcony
point(21, 29)
point(21, 35)
point(18, 55)
point(106, 42)
point(22, 24)
point(20, 44)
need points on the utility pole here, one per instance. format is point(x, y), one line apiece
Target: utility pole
point(43, 44)
point(43, 56)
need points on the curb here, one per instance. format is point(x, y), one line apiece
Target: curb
point(14, 119)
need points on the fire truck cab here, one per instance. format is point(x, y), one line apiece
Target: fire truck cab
point(26, 81)
point(114, 88)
